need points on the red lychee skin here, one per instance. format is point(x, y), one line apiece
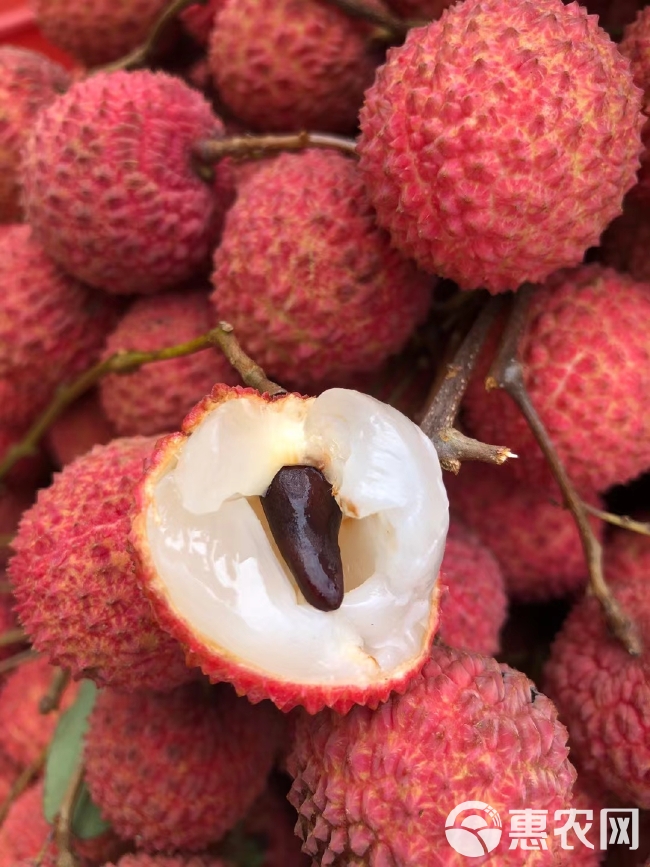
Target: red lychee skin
point(82, 426)
point(110, 189)
point(28, 81)
point(635, 45)
point(498, 142)
point(25, 830)
point(325, 264)
point(586, 364)
point(51, 327)
point(98, 32)
point(601, 691)
point(534, 539)
point(375, 788)
point(178, 770)
point(216, 662)
point(473, 603)
point(24, 731)
point(586, 796)
point(76, 582)
point(144, 859)
point(156, 398)
point(198, 19)
point(288, 65)
point(625, 246)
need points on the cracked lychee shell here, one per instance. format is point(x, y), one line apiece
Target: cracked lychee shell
point(214, 573)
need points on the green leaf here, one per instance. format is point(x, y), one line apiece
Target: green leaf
point(63, 756)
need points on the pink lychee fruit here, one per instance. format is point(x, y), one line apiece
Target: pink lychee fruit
point(28, 81)
point(586, 362)
point(155, 398)
point(289, 65)
point(25, 831)
point(473, 604)
point(533, 537)
point(51, 327)
point(625, 245)
point(99, 32)
point(302, 238)
point(379, 517)
point(80, 427)
point(498, 142)
point(76, 582)
point(635, 45)
point(144, 859)
point(601, 691)
point(178, 770)
point(24, 731)
point(198, 19)
point(614, 15)
point(110, 187)
point(377, 787)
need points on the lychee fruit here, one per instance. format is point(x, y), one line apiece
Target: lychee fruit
point(24, 731)
point(198, 19)
point(625, 246)
point(25, 831)
point(327, 603)
point(178, 770)
point(186, 859)
point(155, 398)
point(533, 537)
point(110, 187)
point(635, 45)
point(80, 427)
point(99, 32)
point(290, 65)
point(601, 691)
point(377, 787)
point(51, 327)
point(473, 603)
point(28, 81)
point(498, 142)
point(586, 366)
point(76, 582)
point(302, 239)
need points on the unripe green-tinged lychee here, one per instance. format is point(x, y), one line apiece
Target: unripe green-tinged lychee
point(302, 239)
point(473, 604)
point(98, 32)
point(178, 770)
point(498, 142)
point(635, 45)
point(586, 366)
point(28, 81)
point(155, 398)
point(76, 582)
point(25, 831)
point(375, 788)
point(290, 65)
point(51, 326)
point(110, 188)
point(533, 537)
point(198, 19)
point(601, 691)
point(80, 427)
point(625, 245)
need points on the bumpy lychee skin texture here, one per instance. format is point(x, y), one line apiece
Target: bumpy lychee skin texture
point(290, 65)
point(586, 367)
point(534, 538)
point(325, 264)
point(602, 693)
point(25, 830)
point(76, 582)
point(156, 398)
point(110, 190)
point(635, 45)
point(498, 142)
point(51, 326)
point(473, 604)
point(177, 771)
point(79, 428)
point(198, 19)
point(28, 82)
point(375, 788)
point(24, 731)
point(98, 32)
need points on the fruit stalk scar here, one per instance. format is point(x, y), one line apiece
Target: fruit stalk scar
point(305, 519)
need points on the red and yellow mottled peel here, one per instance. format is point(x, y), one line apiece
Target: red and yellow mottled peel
point(375, 788)
point(76, 582)
point(325, 264)
point(498, 142)
point(179, 770)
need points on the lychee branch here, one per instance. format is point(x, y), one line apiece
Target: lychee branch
point(623, 521)
point(395, 26)
point(21, 783)
point(222, 337)
point(52, 698)
point(12, 636)
point(63, 821)
point(210, 151)
point(452, 446)
point(506, 372)
point(17, 660)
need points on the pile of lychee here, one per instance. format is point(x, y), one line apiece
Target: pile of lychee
point(245, 617)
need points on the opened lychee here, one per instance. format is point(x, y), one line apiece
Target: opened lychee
point(212, 565)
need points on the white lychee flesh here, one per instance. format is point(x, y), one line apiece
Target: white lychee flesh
point(218, 567)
